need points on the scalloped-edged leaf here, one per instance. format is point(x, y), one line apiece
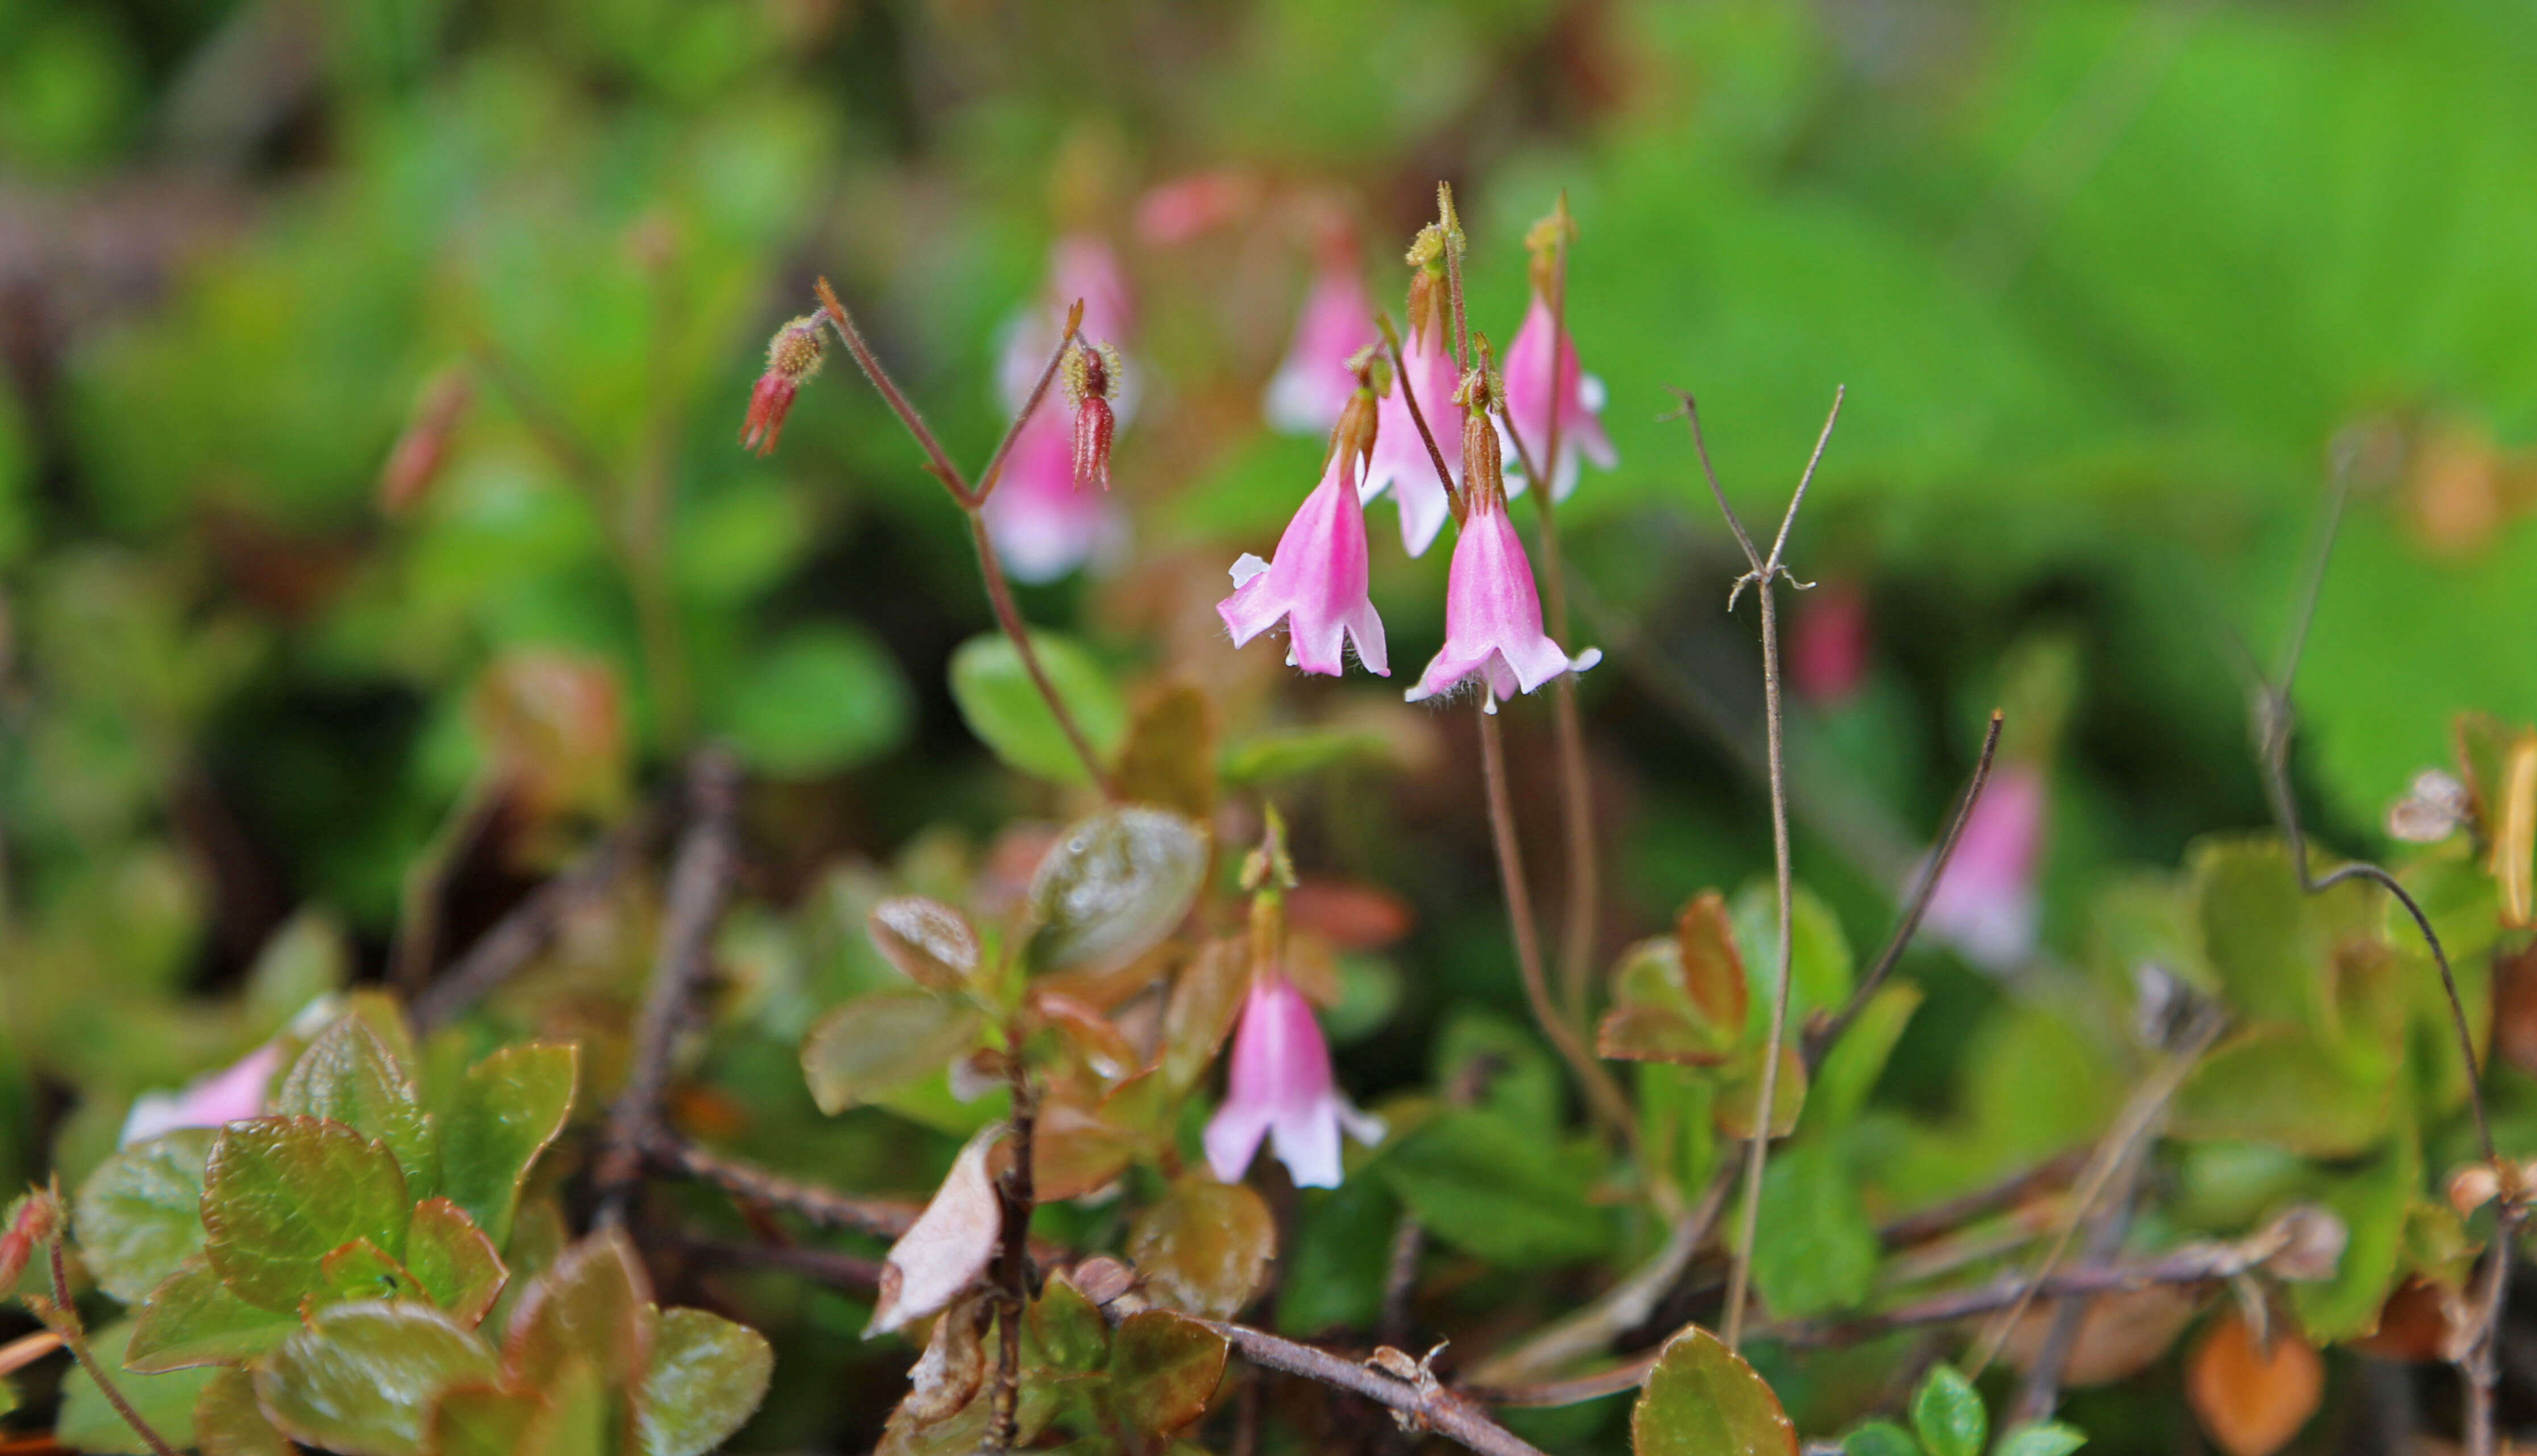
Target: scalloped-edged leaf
point(501, 1115)
point(1655, 1017)
point(140, 1214)
point(705, 1380)
point(1703, 1400)
point(362, 1378)
point(281, 1193)
point(452, 1262)
point(192, 1319)
point(352, 1076)
point(1163, 1368)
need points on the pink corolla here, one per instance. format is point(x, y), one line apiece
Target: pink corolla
point(1986, 905)
point(1400, 462)
point(1493, 616)
point(1042, 525)
point(233, 1093)
point(1580, 400)
point(1277, 1085)
point(1317, 584)
point(1314, 382)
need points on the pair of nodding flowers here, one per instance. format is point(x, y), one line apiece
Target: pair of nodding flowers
point(1317, 584)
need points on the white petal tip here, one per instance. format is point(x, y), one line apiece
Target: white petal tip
point(1246, 566)
point(1586, 659)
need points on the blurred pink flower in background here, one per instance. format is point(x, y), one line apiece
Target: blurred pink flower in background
point(1493, 616)
point(1986, 905)
point(1401, 460)
point(1528, 400)
point(1317, 582)
point(1277, 1085)
point(233, 1093)
point(1041, 525)
point(1828, 644)
point(1313, 384)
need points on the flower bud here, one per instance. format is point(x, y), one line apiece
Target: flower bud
point(792, 356)
point(1091, 373)
point(419, 452)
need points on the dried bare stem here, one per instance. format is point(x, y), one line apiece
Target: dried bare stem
point(700, 881)
point(62, 1318)
point(2272, 720)
point(880, 1217)
point(1013, 1255)
point(530, 927)
point(1764, 576)
point(1603, 1094)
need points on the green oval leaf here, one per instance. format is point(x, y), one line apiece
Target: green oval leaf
point(192, 1319)
point(362, 1378)
point(1116, 884)
point(140, 1214)
point(1703, 1400)
point(349, 1075)
point(1948, 1414)
point(1879, 1438)
point(593, 1304)
point(504, 1113)
point(880, 1042)
point(707, 1377)
point(281, 1193)
point(1001, 705)
point(2050, 1439)
point(1205, 1246)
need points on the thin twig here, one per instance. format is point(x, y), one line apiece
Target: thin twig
point(700, 881)
point(1820, 1037)
point(995, 470)
point(62, 1318)
point(826, 1208)
point(1763, 578)
point(1400, 1278)
point(2040, 1391)
point(1624, 1306)
point(530, 926)
point(1015, 1193)
point(1602, 1093)
point(819, 1266)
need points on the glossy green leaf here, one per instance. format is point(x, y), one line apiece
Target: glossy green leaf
point(1817, 1250)
point(140, 1214)
point(362, 1378)
point(1114, 884)
point(2046, 1438)
point(481, 1420)
point(1702, 1400)
point(1203, 1246)
point(1948, 1415)
point(580, 1414)
point(87, 1423)
point(349, 1075)
point(821, 700)
point(1163, 1369)
point(1293, 753)
point(882, 1040)
point(1819, 963)
point(452, 1261)
point(707, 1378)
point(1879, 1438)
point(1002, 706)
point(281, 1193)
point(594, 1304)
point(502, 1114)
point(361, 1270)
point(192, 1319)
point(228, 1423)
point(1485, 1185)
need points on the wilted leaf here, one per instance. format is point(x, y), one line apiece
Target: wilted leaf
point(1206, 1001)
point(506, 1109)
point(1818, 1251)
point(1481, 1184)
point(1000, 704)
point(140, 1214)
point(1114, 884)
point(880, 1042)
point(1740, 1095)
point(1656, 1018)
point(1948, 1415)
point(2274, 1085)
point(947, 1246)
point(1163, 1369)
point(2512, 827)
point(452, 1260)
point(707, 1378)
point(88, 1423)
point(228, 1423)
point(362, 1378)
point(2252, 1401)
point(281, 1193)
point(348, 1075)
point(1703, 1400)
point(931, 943)
point(192, 1319)
point(1205, 1246)
point(1170, 756)
point(594, 1303)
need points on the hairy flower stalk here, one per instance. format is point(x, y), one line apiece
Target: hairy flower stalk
point(1400, 462)
point(1318, 581)
point(792, 356)
point(1277, 1081)
point(1493, 632)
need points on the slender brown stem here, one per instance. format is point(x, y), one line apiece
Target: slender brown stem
point(938, 463)
point(1603, 1094)
point(1763, 578)
point(1417, 415)
point(1030, 404)
point(700, 881)
point(825, 1206)
point(1823, 1034)
point(1012, 1256)
point(1009, 617)
point(64, 1321)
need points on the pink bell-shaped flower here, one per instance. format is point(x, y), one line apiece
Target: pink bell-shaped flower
point(1317, 584)
point(1313, 385)
point(1042, 526)
point(1493, 615)
point(1277, 1085)
point(1580, 402)
point(1401, 461)
point(1986, 905)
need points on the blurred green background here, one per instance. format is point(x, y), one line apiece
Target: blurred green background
point(2105, 283)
